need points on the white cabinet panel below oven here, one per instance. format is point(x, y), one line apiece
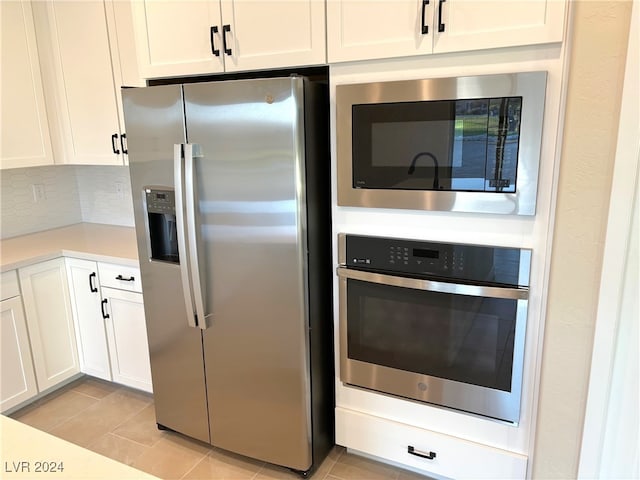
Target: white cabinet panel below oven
point(451, 457)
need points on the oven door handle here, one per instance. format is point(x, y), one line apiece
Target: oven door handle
point(433, 286)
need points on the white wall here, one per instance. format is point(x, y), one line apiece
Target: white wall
point(598, 45)
point(610, 442)
point(73, 194)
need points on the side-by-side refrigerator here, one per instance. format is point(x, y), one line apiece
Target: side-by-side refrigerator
point(231, 190)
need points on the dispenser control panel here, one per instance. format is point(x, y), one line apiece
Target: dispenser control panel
point(160, 201)
point(161, 224)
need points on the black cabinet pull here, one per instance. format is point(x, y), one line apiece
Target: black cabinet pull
point(130, 279)
point(212, 34)
point(440, 24)
point(425, 27)
point(123, 143)
point(428, 456)
point(225, 29)
point(92, 286)
point(105, 315)
point(114, 143)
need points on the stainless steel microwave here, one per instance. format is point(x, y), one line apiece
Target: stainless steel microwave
point(464, 144)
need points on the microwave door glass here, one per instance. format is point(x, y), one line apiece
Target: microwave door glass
point(450, 145)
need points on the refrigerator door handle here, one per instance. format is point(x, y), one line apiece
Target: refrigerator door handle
point(178, 175)
point(192, 233)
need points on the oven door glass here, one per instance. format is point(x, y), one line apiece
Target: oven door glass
point(449, 145)
point(468, 339)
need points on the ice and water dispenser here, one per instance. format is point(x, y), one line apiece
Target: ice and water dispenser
point(161, 217)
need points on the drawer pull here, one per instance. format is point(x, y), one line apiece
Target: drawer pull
point(425, 27)
point(441, 26)
point(212, 33)
point(103, 304)
point(225, 29)
point(92, 287)
point(417, 453)
point(130, 279)
point(114, 139)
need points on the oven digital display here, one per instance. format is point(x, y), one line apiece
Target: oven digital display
point(424, 253)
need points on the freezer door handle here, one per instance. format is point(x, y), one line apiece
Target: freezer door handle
point(192, 234)
point(178, 178)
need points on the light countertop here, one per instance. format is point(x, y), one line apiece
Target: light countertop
point(90, 241)
point(25, 450)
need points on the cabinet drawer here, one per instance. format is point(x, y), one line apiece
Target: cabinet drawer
point(9, 285)
point(452, 457)
point(120, 277)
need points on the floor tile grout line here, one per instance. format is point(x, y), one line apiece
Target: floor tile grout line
point(61, 422)
point(131, 440)
point(109, 431)
point(195, 465)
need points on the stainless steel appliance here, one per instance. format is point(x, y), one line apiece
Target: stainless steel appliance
point(437, 322)
point(465, 144)
point(232, 208)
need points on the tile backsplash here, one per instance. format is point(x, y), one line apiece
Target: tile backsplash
point(72, 194)
point(105, 195)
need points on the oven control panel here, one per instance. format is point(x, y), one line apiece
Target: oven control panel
point(455, 261)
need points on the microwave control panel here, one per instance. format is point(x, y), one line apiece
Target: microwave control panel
point(422, 259)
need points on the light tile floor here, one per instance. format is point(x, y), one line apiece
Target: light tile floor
point(119, 423)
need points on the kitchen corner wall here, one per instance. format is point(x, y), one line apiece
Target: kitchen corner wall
point(72, 194)
point(596, 73)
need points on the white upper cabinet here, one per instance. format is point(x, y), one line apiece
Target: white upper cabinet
point(360, 29)
point(24, 136)
point(273, 34)
point(175, 38)
point(82, 72)
point(474, 25)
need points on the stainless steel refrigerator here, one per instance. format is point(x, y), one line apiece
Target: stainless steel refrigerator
point(230, 182)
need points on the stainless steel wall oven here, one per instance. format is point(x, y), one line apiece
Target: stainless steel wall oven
point(469, 144)
point(440, 323)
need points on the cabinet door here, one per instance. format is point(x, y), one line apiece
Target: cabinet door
point(175, 38)
point(49, 321)
point(17, 380)
point(79, 59)
point(24, 136)
point(127, 334)
point(491, 24)
point(273, 34)
point(91, 336)
point(361, 29)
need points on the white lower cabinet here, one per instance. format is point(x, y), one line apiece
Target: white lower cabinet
point(127, 334)
point(86, 302)
point(109, 316)
point(432, 452)
point(17, 380)
point(47, 308)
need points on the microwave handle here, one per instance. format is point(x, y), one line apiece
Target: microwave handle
point(434, 286)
